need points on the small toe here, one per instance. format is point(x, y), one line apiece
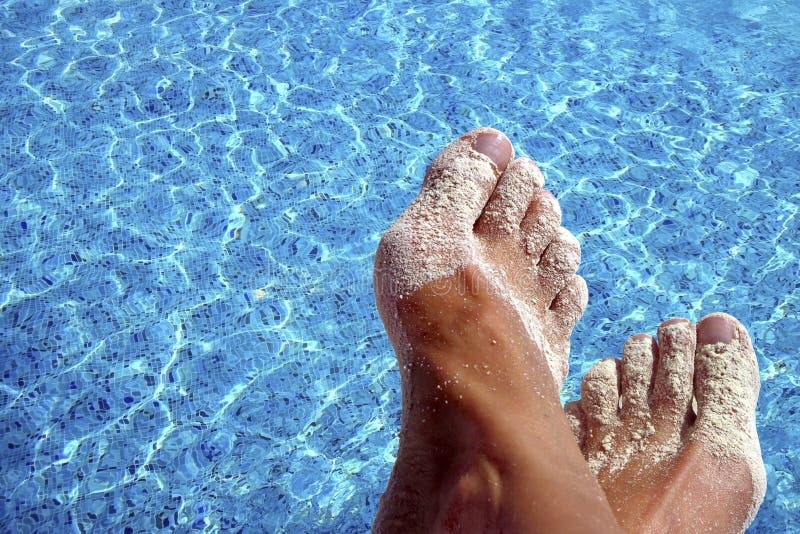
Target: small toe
point(726, 375)
point(541, 222)
point(575, 417)
point(673, 387)
point(600, 394)
point(569, 304)
point(559, 262)
point(511, 198)
point(461, 179)
point(638, 358)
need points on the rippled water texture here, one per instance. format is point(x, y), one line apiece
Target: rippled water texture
point(192, 193)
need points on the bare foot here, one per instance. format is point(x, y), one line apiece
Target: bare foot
point(664, 466)
point(476, 285)
point(513, 240)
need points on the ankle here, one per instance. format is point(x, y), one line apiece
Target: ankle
point(471, 496)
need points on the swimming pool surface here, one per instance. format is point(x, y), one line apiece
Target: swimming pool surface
point(192, 192)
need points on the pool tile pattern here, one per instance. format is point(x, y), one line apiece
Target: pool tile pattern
point(191, 195)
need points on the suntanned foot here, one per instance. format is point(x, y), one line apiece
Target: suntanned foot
point(664, 465)
point(476, 285)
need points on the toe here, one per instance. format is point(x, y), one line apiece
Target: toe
point(726, 381)
point(559, 262)
point(462, 177)
point(638, 358)
point(726, 385)
point(511, 197)
point(573, 412)
point(541, 222)
point(493, 144)
point(672, 388)
point(600, 394)
point(717, 328)
point(433, 237)
point(569, 304)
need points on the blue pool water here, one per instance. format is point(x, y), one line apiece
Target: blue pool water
point(192, 193)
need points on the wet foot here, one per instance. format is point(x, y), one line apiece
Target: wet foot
point(476, 285)
point(670, 429)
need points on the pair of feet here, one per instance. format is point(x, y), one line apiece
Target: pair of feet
point(476, 285)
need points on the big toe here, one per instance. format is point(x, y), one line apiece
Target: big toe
point(433, 237)
point(492, 144)
point(726, 376)
point(463, 176)
point(726, 386)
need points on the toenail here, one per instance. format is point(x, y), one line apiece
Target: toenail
point(676, 320)
point(641, 337)
point(549, 195)
point(496, 146)
point(715, 329)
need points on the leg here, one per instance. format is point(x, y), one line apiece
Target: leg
point(475, 283)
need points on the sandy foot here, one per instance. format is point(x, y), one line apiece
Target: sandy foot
point(664, 465)
point(476, 285)
point(493, 216)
